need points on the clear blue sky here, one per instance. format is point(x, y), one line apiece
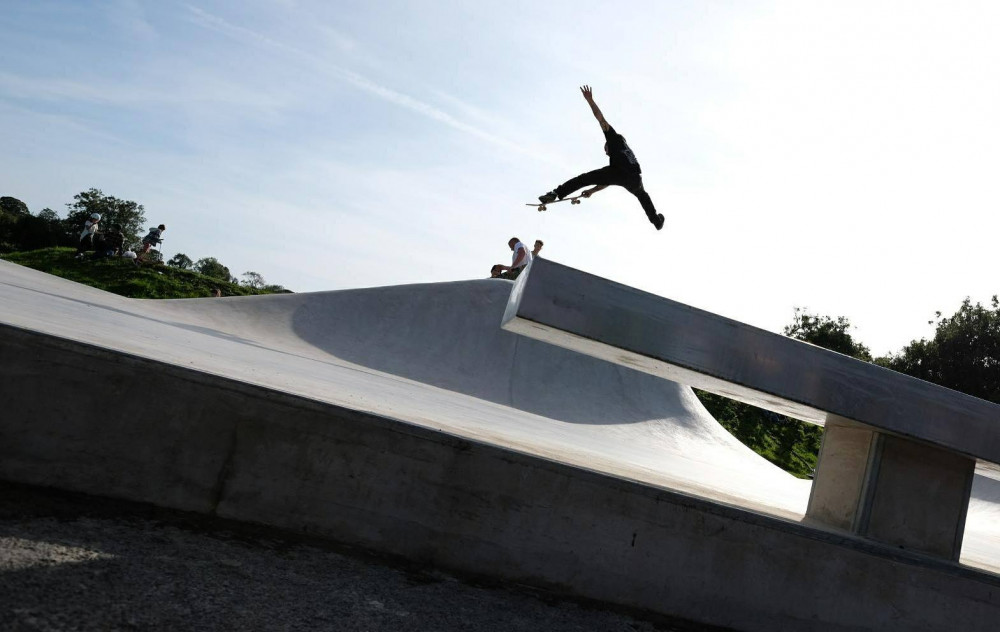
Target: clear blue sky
point(839, 156)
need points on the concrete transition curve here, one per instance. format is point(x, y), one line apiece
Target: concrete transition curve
point(430, 354)
point(404, 419)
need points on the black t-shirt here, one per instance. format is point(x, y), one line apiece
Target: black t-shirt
point(619, 153)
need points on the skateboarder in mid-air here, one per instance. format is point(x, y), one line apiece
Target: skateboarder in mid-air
point(623, 171)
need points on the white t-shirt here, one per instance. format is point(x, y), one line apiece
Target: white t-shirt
point(89, 228)
point(527, 255)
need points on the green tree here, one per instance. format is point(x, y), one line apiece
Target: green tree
point(253, 280)
point(129, 216)
point(181, 261)
point(13, 207)
point(12, 210)
point(20, 230)
point(964, 353)
point(210, 267)
point(829, 333)
point(41, 231)
point(48, 215)
point(788, 443)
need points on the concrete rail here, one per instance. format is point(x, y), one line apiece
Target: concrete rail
point(623, 325)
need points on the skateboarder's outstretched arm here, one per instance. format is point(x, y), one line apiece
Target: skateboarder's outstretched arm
point(588, 94)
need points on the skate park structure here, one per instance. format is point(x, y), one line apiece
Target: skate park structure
point(898, 455)
point(406, 421)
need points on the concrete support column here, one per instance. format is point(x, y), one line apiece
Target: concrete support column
point(891, 489)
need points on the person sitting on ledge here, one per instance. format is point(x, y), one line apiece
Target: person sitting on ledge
point(519, 261)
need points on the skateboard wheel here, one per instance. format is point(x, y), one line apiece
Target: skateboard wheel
point(575, 202)
point(541, 208)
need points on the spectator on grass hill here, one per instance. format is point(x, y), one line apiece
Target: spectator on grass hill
point(520, 259)
point(87, 235)
point(153, 238)
point(109, 243)
point(216, 292)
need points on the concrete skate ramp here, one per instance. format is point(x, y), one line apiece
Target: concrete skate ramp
point(430, 354)
point(432, 357)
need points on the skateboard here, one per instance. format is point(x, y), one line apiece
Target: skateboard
point(575, 199)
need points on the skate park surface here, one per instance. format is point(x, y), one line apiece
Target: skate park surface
point(428, 356)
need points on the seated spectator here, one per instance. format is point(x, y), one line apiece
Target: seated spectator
point(109, 243)
point(519, 261)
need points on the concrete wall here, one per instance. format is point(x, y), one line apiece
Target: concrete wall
point(92, 420)
point(899, 492)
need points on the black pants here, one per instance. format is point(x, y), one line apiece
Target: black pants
point(512, 274)
point(86, 243)
point(607, 176)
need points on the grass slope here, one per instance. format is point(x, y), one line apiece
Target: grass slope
point(121, 276)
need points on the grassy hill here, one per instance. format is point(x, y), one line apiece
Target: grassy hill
point(121, 276)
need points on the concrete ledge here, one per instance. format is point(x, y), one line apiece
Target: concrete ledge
point(96, 421)
point(898, 462)
point(604, 319)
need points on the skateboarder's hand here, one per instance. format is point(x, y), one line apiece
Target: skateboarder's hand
point(588, 94)
point(586, 194)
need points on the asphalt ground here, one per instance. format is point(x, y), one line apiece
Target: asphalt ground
point(77, 562)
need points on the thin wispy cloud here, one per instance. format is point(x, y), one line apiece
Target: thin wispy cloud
point(189, 90)
point(128, 15)
point(370, 86)
point(64, 124)
point(50, 89)
point(342, 41)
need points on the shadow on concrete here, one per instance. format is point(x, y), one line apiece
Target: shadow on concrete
point(74, 562)
point(448, 335)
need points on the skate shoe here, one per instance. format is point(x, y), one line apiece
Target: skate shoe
point(548, 198)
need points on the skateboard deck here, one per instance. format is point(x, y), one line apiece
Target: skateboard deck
point(574, 199)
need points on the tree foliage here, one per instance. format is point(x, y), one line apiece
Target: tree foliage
point(789, 443)
point(41, 231)
point(210, 267)
point(829, 333)
point(48, 215)
point(20, 230)
point(964, 353)
point(129, 216)
point(181, 260)
point(13, 207)
point(11, 212)
point(253, 281)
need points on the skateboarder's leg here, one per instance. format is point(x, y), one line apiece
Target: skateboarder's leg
point(647, 204)
point(636, 189)
point(602, 176)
